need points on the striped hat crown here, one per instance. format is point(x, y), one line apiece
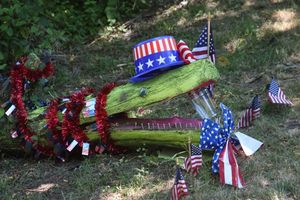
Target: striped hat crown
point(154, 56)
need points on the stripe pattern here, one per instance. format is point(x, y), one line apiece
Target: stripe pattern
point(276, 95)
point(154, 56)
point(200, 49)
point(180, 188)
point(194, 162)
point(229, 169)
point(250, 114)
point(155, 46)
point(185, 52)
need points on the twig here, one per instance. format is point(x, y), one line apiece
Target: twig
point(251, 80)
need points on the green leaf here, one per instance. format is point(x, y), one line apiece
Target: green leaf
point(9, 31)
point(34, 29)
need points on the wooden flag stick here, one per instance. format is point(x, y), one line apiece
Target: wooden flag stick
point(208, 34)
point(177, 162)
point(189, 143)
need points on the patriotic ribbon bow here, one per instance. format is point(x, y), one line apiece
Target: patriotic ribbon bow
point(224, 161)
point(214, 137)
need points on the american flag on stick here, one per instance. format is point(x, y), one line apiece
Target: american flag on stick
point(180, 188)
point(204, 49)
point(250, 113)
point(276, 95)
point(194, 162)
point(200, 51)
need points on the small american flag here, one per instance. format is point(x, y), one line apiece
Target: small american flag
point(250, 113)
point(229, 170)
point(194, 162)
point(276, 95)
point(200, 49)
point(185, 52)
point(180, 188)
point(236, 145)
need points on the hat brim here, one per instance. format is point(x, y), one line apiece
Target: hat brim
point(155, 71)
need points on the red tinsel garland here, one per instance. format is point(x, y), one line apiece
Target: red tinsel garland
point(52, 119)
point(102, 122)
point(18, 74)
point(71, 121)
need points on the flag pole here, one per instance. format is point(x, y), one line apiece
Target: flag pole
point(189, 143)
point(208, 33)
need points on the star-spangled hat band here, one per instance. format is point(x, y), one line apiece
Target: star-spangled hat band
point(152, 57)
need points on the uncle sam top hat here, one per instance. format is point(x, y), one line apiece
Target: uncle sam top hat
point(152, 57)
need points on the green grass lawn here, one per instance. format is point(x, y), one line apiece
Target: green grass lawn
point(254, 40)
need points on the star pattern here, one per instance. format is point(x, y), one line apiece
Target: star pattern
point(214, 137)
point(161, 60)
point(140, 67)
point(149, 63)
point(276, 95)
point(154, 55)
point(172, 58)
point(156, 60)
point(202, 42)
point(228, 125)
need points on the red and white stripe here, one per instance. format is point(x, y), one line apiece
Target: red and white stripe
point(212, 58)
point(193, 163)
point(185, 53)
point(255, 113)
point(280, 98)
point(200, 52)
point(180, 189)
point(174, 193)
point(160, 45)
point(229, 169)
point(247, 117)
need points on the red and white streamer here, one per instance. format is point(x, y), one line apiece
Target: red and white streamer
point(229, 169)
point(185, 53)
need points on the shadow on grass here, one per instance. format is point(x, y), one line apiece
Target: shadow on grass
point(241, 35)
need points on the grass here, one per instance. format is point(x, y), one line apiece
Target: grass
point(251, 38)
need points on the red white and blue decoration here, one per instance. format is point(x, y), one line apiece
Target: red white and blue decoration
point(185, 52)
point(218, 138)
point(214, 137)
point(194, 162)
point(250, 114)
point(276, 95)
point(179, 188)
point(229, 170)
point(154, 56)
point(200, 50)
